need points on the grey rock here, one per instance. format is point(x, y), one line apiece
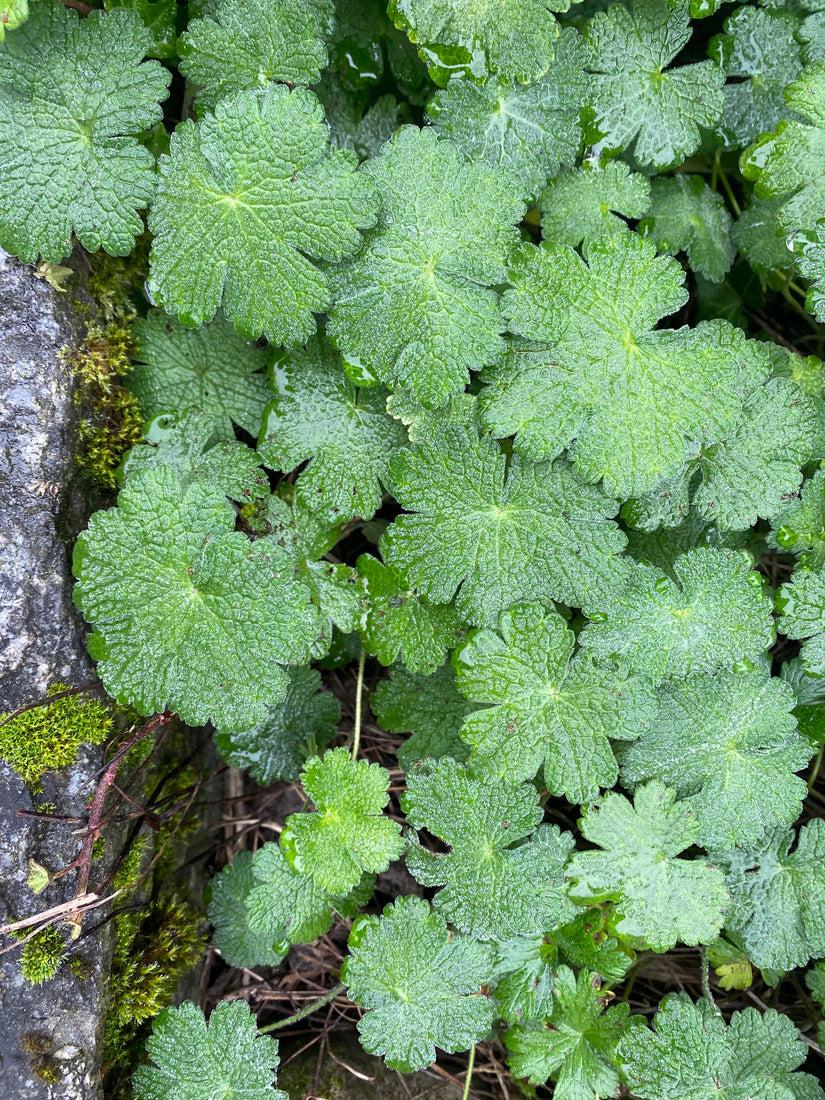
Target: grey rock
point(54, 1027)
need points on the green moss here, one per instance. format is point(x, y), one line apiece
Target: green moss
point(47, 738)
point(38, 1048)
point(42, 955)
point(113, 422)
point(116, 281)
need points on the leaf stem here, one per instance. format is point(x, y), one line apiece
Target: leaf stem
point(359, 690)
point(815, 769)
point(705, 975)
point(307, 1011)
point(469, 1079)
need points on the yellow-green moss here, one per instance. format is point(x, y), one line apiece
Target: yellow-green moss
point(112, 423)
point(42, 955)
point(116, 280)
point(47, 738)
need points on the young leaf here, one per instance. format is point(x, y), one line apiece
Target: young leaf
point(778, 906)
point(576, 1044)
point(420, 983)
point(760, 51)
point(809, 250)
point(431, 708)
point(189, 615)
point(513, 38)
point(711, 616)
point(759, 237)
point(342, 432)
point(196, 1061)
point(416, 307)
point(250, 42)
point(498, 533)
point(686, 216)
point(636, 98)
point(658, 898)
point(800, 527)
point(70, 161)
point(587, 943)
point(347, 835)
point(231, 219)
point(692, 1053)
point(549, 707)
point(788, 164)
point(632, 396)
point(491, 889)
point(802, 603)
point(729, 743)
point(288, 907)
point(159, 19)
point(752, 471)
point(238, 943)
point(299, 727)
point(529, 132)
point(585, 203)
point(399, 625)
point(336, 589)
point(212, 368)
point(182, 443)
point(523, 981)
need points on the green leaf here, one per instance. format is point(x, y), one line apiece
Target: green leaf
point(523, 982)
point(529, 132)
point(802, 603)
point(213, 368)
point(12, 14)
point(587, 943)
point(420, 984)
point(400, 625)
point(585, 203)
point(692, 1053)
point(426, 425)
point(238, 943)
point(70, 162)
point(196, 1061)
point(778, 906)
point(299, 727)
point(189, 615)
point(662, 547)
point(347, 836)
point(809, 250)
point(729, 743)
point(251, 42)
point(760, 52)
point(430, 707)
point(336, 589)
point(491, 889)
point(513, 38)
point(800, 527)
point(635, 97)
point(756, 468)
point(758, 235)
point(182, 443)
point(232, 222)
point(415, 306)
point(658, 898)
point(499, 534)
point(342, 432)
point(159, 17)
point(788, 164)
point(815, 981)
point(631, 395)
point(548, 706)
point(577, 1042)
point(289, 907)
point(686, 216)
point(711, 616)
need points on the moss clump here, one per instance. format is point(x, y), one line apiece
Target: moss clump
point(42, 955)
point(113, 423)
point(47, 738)
point(116, 281)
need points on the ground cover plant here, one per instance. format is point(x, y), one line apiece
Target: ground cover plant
point(479, 361)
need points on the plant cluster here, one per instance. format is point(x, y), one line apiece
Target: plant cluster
point(464, 355)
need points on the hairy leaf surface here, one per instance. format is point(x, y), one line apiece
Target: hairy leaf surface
point(491, 889)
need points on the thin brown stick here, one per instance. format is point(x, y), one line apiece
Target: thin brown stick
point(49, 699)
